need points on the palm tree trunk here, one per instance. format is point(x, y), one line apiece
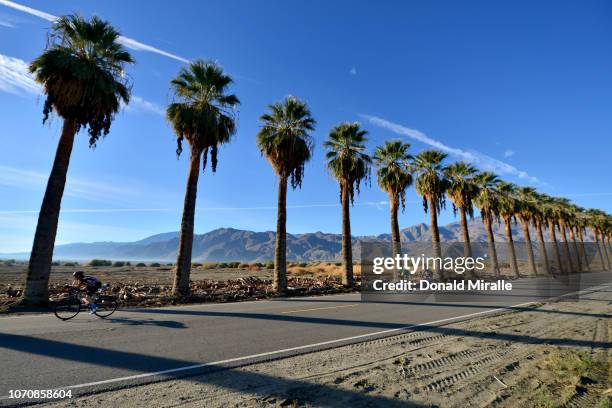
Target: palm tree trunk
point(396, 245)
point(543, 253)
point(491, 240)
point(347, 250)
point(553, 238)
point(582, 247)
point(395, 232)
point(515, 269)
point(280, 247)
point(566, 248)
point(605, 247)
point(435, 240)
point(601, 258)
point(575, 244)
point(467, 245)
point(527, 236)
point(183, 258)
point(36, 292)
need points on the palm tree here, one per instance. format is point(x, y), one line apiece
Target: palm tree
point(598, 223)
point(526, 211)
point(349, 164)
point(551, 215)
point(431, 184)
point(82, 73)
point(562, 205)
point(539, 218)
point(487, 201)
point(462, 190)
point(394, 176)
point(581, 224)
point(285, 141)
point(572, 221)
point(203, 114)
point(508, 207)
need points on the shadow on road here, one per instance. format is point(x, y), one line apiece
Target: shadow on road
point(281, 388)
point(170, 324)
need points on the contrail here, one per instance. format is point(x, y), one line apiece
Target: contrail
point(128, 42)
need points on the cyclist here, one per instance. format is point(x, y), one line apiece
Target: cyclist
point(89, 285)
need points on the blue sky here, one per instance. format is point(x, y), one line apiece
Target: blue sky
point(521, 88)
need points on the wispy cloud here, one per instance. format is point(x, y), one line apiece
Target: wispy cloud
point(509, 153)
point(353, 71)
point(477, 158)
point(4, 23)
point(90, 210)
point(15, 78)
point(75, 187)
point(137, 103)
point(377, 204)
point(128, 42)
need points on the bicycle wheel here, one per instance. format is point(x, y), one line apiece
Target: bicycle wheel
point(105, 307)
point(66, 309)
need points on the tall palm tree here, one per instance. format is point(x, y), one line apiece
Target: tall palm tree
point(349, 164)
point(581, 224)
point(551, 215)
point(82, 73)
point(487, 201)
point(526, 211)
point(572, 222)
point(508, 207)
point(285, 141)
point(462, 190)
point(431, 184)
point(598, 223)
point(539, 219)
point(203, 114)
point(394, 174)
point(562, 205)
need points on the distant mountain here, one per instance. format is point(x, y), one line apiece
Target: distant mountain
point(228, 244)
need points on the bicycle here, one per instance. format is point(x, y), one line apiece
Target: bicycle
point(70, 306)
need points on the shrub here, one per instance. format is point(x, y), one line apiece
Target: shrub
point(244, 265)
point(155, 265)
point(128, 263)
point(233, 264)
point(140, 265)
point(100, 262)
point(118, 264)
point(222, 265)
point(270, 265)
point(196, 265)
point(70, 264)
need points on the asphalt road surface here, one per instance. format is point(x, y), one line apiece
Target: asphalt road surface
point(141, 345)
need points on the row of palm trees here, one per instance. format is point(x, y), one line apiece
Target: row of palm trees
point(82, 73)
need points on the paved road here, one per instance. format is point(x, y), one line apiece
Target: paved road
point(42, 352)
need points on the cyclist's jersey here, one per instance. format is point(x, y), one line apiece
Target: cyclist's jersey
point(91, 283)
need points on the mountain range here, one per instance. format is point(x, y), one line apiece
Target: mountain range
point(228, 244)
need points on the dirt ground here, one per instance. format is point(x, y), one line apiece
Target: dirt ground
point(554, 354)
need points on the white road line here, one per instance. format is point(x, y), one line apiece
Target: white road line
point(271, 353)
point(318, 308)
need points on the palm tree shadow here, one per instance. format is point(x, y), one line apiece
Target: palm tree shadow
point(170, 324)
point(292, 390)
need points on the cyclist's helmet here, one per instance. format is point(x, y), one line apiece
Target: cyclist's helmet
point(78, 274)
